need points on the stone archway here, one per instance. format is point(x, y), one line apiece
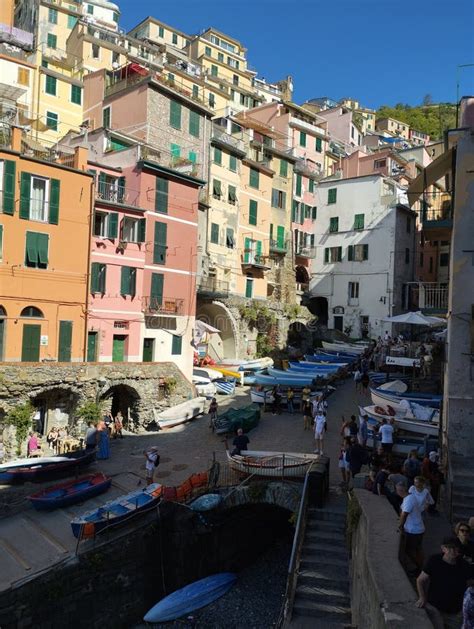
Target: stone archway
point(54, 407)
point(123, 398)
point(219, 316)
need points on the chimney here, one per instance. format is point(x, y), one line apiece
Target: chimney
point(80, 157)
point(16, 138)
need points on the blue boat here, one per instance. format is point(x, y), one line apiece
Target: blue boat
point(116, 511)
point(390, 397)
point(70, 492)
point(226, 386)
point(402, 446)
point(298, 375)
point(316, 365)
point(43, 469)
point(208, 502)
point(285, 380)
point(191, 597)
point(334, 358)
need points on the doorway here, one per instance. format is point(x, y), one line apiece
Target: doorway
point(118, 348)
point(30, 346)
point(92, 347)
point(148, 348)
point(339, 322)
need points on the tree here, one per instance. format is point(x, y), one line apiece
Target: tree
point(21, 418)
point(427, 100)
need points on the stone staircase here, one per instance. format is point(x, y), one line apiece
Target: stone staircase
point(462, 498)
point(322, 589)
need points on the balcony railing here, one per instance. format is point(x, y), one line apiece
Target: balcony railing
point(441, 216)
point(165, 306)
point(308, 168)
point(220, 135)
point(306, 252)
point(429, 297)
point(278, 246)
point(255, 261)
point(211, 286)
point(16, 36)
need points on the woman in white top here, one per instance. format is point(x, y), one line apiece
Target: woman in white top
point(422, 495)
point(319, 429)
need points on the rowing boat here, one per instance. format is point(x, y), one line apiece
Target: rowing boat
point(262, 463)
point(408, 423)
point(70, 492)
point(180, 413)
point(44, 468)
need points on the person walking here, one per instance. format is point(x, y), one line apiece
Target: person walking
point(412, 467)
point(152, 461)
point(320, 427)
point(118, 426)
point(307, 415)
point(412, 527)
point(213, 406)
point(240, 442)
point(386, 431)
point(421, 493)
point(290, 395)
point(103, 441)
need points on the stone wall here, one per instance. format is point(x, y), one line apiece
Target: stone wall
point(381, 594)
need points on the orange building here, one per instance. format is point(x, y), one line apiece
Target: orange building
point(45, 201)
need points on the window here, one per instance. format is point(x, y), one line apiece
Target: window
point(422, 259)
point(95, 51)
point(380, 163)
point(311, 185)
point(357, 253)
point(332, 195)
point(319, 145)
point(156, 290)
point(302, 138)
point(36, 254)
point(76, 94)
point(214, 70)
point(175, 114)
point(106, 117)
point(52, 16)
point(176, 345)
point(252, 251)
point(23, 76)
point(106, 224)
point(192, 156)
point(235, 79)
point(254, 178)
point(353, 290)
point(407, 256)
point(194, 123)
point(128, 281)
point(359, 221)
point(231, 195)
point(71, 21)
point(249, 287)
point(388, 189)
point(98, 278)
point(115, 17)
point(161, 195)
point(161, 31)
point(52, 120)
point(115, 57)
point(408, 224)
point(278, 198)
point(332, 254)
point(159, 243)
point(212, 101)
point(283, 168)
point(334, 224)
point(217, 156)
point(50, 85)
point(90, 9)
point(174, 38)
point(208, 51)
point(229, 238)
point(215, 233)
point(233, 63)
point(32, 311)
point(220, 57)
point(175, 151)
point(233, 163)
point(216, 189)
point(1, 242)
point(253, 210)
point(195, 91)
point(444, 259)
point(133, 229)
point(170, 76)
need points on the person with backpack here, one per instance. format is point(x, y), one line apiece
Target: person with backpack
point(152, 461)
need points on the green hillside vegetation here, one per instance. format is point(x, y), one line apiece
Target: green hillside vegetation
point(429, 118)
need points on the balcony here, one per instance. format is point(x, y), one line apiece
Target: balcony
point(212, 287)
point(115, 193)
point(437, 221)
point(254, 262)
point(305, 252)
point(278, 246)
point(308, 168)
point(429, 297)
point(218, 135)
point(16, 37)
point(165, 306)
point(306, 126)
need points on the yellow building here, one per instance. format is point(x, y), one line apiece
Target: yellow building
point(394, 127)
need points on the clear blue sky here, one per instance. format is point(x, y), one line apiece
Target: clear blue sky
point(378, 51)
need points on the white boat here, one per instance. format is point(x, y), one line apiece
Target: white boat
point(394, 386)
point(262, 397)
point(407, 422)
point(382, 397)
point(344, 347)
point(248, 365)
point(36, 461)
point(278, 464)
point(206, 372)
point(200, 380)
point(180, 413)
point(207, 390)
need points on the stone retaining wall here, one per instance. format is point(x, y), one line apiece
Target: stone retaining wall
point(381, 594)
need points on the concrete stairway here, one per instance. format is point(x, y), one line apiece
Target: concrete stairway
point(462, 489)
point(322, 589)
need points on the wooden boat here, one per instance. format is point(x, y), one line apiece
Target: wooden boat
point(285, 380)
point(344, 347)
point(70, 492)
point(206, 372)
point(409, 424)
point(181, 413)
point(381, 397)
point(192, 597)
point(234, 418)
point(46, 468)
point(315, 368)
point(248, 365)
point(225, 386)
point(402, 445)
point(316, 365)
point(207, 390)
point(261, 463)
point(116, 511)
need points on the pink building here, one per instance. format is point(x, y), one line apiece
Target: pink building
point(341, 126)
point(385, 162)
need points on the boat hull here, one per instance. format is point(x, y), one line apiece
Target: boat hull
point(181, 413)
point(317, 365)
point(225, 387)
point(34, 472)
point(272, 464)
point(70, 493)
point(340, 347)
point(285, 380)
point(382, 398)
point(404, 423)
point(402, 446)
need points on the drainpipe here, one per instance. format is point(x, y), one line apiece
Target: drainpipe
point(88, 273)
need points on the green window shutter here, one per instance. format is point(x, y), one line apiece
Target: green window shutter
point(314, 213)
point(52, 16)
point(42, 240)
point(249, 288)
point(271, 232)
point(274, 197)
point(311, 185)
point(334, 224)
point(233, 163)
point(52, 120)
point(121, 190)
point(258, 250)
point(216, 188)
point(50, 85)
point(359, 221)
point(195, 91)
point(141, 229)
point(76, 94)
point(176, 345)
point(232, 192)
point(299, 184)
point(175, 151)
point(214, 70)
point(9, 171)
point(159, 249)
point(332, 195)
point(106, 117)
point(125, 280)
point(339, 254)
point(102, 278)
point(1, 255)
point(253, 209)
point(95, 266)
point(254, 178)
point(294, 211)
point(281, 237)
point(350, 253)
point(52, 41)
point(194, 123)
point(25, 192)
point(65, 341)
point(112, 225)
point(175, 114)
point(192, 156)
point(217, 156)
point(156, 289)
point(103, 185)
point(302, 138)
point(365, 252)
point(319, 145)
point(326, 255)
point(71, 21)
point(283, 201)
point(54, 201)
point(161, 195)
point(248, 242)
point(31, 257)
point(283, 168)
point(215, 233)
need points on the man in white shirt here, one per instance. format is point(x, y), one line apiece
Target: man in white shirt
point(411, 526)
point(386, 434)
point(319, 430)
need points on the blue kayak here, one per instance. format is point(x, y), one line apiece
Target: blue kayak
point(319, 365)
point(191, 597)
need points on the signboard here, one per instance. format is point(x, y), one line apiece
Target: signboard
point(202, 350)
point(44, 339)
point(338, 310)
point(402, 361)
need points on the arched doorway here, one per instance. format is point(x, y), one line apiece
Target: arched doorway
point(302, 278)
point(221, 345)
point(30, 345)
point(123, 398)
point(318, 306)
point(54, 407)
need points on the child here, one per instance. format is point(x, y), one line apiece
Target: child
point(290, 394)
point(213, 413)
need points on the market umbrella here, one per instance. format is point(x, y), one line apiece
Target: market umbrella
point(415, 318)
